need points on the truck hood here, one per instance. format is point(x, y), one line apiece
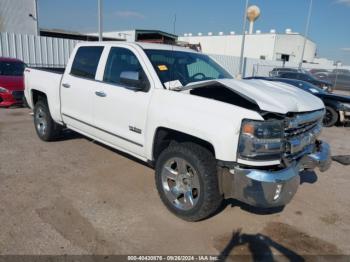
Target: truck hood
point(269, 96)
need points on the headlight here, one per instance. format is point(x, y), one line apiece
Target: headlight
point(3, 90)
point(346, 106)
point(261, 140)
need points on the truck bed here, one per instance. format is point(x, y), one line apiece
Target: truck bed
point(47, 81)
point(57, 70)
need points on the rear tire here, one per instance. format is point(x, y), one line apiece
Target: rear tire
point(45, 126)
point(331, 117)
point(187, 182)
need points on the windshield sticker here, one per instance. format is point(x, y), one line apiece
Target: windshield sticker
point(313, 90)
point(162, 67)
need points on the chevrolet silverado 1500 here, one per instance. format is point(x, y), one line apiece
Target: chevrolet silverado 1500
point(208, 135)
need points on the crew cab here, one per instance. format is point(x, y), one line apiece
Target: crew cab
point(208, 135)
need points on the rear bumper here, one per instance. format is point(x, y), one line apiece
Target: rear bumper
point(263, 188)
point(9, 99)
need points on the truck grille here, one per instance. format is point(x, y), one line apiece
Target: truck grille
point(18, 95)
point(301, 133)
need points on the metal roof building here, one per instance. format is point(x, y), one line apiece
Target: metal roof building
point(142, 35)
point(267, 46)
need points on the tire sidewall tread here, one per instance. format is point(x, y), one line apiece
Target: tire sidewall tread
point(53, 129)
point(335, 116)
point(204, 162)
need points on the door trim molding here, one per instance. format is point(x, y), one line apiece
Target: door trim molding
point(105, 131)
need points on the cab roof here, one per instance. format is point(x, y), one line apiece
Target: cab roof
point(143, 45)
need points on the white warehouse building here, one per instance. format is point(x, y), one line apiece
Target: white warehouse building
point(19, 16)
point(267, 46)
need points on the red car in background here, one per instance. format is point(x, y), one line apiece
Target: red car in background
point(11, 81)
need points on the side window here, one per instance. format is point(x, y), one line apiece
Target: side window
point(86, 61)
point(122, 60)
point(287, 75)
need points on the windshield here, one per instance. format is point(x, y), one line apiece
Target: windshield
point(11, 68)
point(186, 67)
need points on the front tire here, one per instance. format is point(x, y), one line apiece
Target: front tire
point(187, 182)
point(331, 117)
point(45, 126)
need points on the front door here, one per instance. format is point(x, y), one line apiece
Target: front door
point(119, 110)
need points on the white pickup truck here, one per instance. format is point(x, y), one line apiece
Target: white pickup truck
point(208, 135)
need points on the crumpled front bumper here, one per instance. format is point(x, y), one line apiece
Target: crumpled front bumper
point(344, 116)
point(264, 188)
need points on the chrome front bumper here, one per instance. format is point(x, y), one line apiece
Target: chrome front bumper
point(265, 188)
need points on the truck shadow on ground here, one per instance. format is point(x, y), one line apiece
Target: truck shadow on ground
point(231, 202)
point(68, 134)
point(71, 135)
point(342, 159)
point(275, 242)
point(257, 246)
point(308, 177)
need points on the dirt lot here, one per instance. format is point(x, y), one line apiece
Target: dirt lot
point(75, 196)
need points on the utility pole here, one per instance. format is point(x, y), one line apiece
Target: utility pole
point(240, 74)
point(100, 25)
point(37, 18)
point(306, 34)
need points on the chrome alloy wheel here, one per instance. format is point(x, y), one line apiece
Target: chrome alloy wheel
point(41, 121)
point(180, 183)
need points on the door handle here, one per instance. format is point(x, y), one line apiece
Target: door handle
point(66, 85)
point(100, 93)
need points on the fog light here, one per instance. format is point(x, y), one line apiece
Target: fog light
point(278, 191)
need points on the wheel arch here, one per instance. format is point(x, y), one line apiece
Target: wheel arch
point(37, 95)
point(164, 136)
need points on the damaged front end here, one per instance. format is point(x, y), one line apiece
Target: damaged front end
point(269, 186)
point(273, 151)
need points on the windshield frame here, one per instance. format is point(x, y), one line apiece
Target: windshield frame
point(176, 55)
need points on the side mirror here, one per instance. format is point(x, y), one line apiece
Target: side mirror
point(132, 79)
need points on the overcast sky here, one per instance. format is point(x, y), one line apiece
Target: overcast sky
point(330, 24)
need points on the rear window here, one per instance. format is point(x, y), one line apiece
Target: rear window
point(86, 61)
point(11, 68)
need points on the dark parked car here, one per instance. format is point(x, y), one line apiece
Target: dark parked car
point(279, 70)
point(340, 78)
point(337, 106)
point(307, 77)
point(320, 73)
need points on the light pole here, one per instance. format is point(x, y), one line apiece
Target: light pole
point(100, 25)
point(37, 18)
point(240, 74)
point(306, 34)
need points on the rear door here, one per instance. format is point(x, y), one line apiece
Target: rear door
point(119, 111)
point(77, 88)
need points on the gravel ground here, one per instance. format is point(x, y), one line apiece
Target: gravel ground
point(76, 196)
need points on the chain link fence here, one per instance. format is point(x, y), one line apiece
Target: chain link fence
point(339, 76)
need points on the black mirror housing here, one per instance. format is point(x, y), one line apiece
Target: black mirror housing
point(133, 80)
